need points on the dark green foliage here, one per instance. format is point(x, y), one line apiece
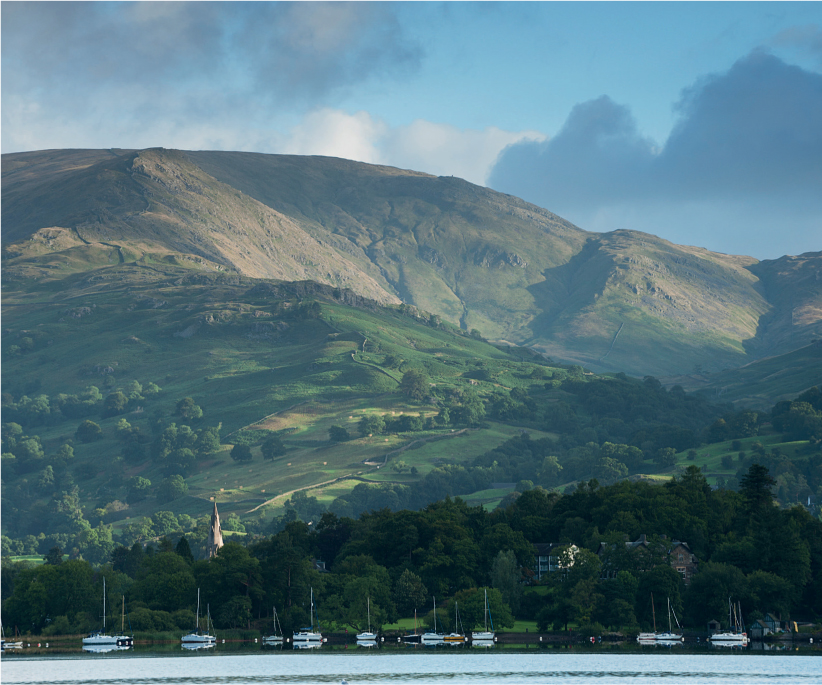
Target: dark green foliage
point(414, 384)
point(54, 557)
point(371, 424)
point(241, 453)
point(338, 434)
point(187, 409)
point(115, 404)
point(172, 488)
point(272, 447)
point(88, 431)
point(183, 549)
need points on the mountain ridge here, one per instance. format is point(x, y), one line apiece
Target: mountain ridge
point(479, 259)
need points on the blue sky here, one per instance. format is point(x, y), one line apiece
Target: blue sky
point(698, 122)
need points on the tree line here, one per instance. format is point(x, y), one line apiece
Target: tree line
point(766, 557)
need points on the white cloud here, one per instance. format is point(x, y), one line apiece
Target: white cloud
point(446, 150)
point(439, 149)
point(334, 133)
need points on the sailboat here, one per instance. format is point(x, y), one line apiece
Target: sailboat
point(735, 636)
point(649, 638)
point(367, 636)
point(277, 637)
point(432, 638)
point(455, 638)
point(416, 638)
point(670, 636)
point(307, 638)
point(485, 635)
point(4, 644)
point(99, 638)
point(197, 639)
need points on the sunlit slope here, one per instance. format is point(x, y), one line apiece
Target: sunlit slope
point(154, 203)
point(476, 258)
point(252, 354)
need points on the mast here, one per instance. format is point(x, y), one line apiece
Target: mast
point(369, 614)
point(653, 611)
point(486, 610)
point(435, 613)
point(104, 604)
point(669, 614)
point(123, 616)
point(197, 619)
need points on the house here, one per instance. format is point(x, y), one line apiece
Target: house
point(679, 556)
point(547, 560)
point(683, 560)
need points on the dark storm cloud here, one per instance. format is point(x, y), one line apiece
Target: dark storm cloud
point(756, 129)
point(754, 133)
point(76, 54)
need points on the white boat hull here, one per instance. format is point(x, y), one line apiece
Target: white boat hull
point(729, 639)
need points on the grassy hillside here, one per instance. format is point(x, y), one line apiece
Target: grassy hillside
point(476, 258)
point(761, 383)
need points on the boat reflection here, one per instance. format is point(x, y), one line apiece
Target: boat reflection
point(101, 649)
point(307, 645)
point(487, 644)
point(193, 646)
point(368, 644)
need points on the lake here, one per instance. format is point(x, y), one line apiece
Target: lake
point(392, 667)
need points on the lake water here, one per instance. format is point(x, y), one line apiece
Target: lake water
point(381, 667)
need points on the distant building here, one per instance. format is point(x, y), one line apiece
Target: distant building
point(678, 553)
point(546, 556)
point(215, 534)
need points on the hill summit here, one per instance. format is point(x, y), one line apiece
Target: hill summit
point(477, 258)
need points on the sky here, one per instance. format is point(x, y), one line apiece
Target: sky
point(699, 122)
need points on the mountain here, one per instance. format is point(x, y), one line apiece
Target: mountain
point(482, 260)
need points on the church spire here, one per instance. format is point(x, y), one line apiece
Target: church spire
point(215, 534)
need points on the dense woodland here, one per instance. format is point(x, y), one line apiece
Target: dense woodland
point(402, 544)
point(768, 558)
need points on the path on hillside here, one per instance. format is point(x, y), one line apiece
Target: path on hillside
point(358, 475)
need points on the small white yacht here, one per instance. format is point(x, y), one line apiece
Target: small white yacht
point(99, 638)
point(485, 635)
point(197, 637)
point(307, 638)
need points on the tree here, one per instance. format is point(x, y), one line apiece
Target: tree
point(208, 441)
point(338, 434)
point(54, 557)
point(88, 431)
point(756, 487)
point(115, 404)
point(371, 424)
point(409, 593)
point(187, 409)
point(272, 447)
point(172, 488)
point(414, 384)
point(506, 576)
point(241, 453)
